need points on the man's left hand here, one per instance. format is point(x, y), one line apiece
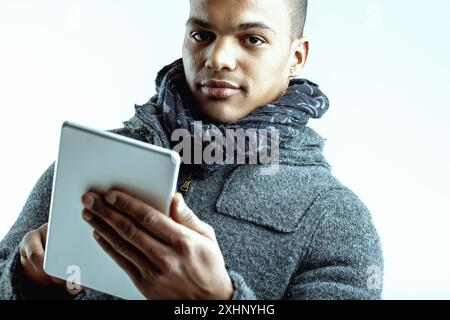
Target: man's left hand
point(174, 257)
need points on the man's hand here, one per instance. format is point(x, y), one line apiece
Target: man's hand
point(166, 258)
point(32, 250)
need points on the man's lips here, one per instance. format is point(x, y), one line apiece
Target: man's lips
point(218, 89)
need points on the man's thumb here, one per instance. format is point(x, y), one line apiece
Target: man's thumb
point(182, 214)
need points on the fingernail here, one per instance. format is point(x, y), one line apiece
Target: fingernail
point(89, 201)
point(110, 198)
point(96, 236)
point(181, 204)
point(87, 215)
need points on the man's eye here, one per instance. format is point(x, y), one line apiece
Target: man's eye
point(254, 41)
point(202, 36)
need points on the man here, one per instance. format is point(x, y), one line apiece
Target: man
point(238, 231)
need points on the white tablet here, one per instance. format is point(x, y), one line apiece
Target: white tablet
point(94, 159)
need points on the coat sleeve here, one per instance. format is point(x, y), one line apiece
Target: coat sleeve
point(344, 258)
point(241, 290)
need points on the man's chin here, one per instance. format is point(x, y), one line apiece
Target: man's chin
point(221, 113)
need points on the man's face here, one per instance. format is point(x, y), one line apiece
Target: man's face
point(238, 55)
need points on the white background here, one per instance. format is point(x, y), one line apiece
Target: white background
point(383, 64)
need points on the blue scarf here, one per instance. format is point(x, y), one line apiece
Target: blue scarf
point(288, 114)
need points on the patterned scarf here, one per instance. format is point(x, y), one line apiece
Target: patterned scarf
point(288, 114)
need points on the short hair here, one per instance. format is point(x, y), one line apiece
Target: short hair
point(298, 10)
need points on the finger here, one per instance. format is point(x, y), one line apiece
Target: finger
point(152, 248)
point(119, 245)
point(43, 232)
point(31, 248)
point(148, 217)
point(124, 263)
point(58, 281)
point(182, 214)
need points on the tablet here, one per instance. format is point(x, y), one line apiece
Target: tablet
point(94, 159)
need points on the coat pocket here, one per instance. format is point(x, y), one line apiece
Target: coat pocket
point(277, 202)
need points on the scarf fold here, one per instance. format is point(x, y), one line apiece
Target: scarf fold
point(288, 114)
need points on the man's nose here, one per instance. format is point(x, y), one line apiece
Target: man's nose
point(221, 56)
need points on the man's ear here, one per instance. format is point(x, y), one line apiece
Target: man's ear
point(299, 56)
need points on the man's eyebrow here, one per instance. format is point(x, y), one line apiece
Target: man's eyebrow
point(241, 27)
point(255, 25)
point(199, 22)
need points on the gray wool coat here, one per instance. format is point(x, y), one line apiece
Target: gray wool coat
point(298, 234)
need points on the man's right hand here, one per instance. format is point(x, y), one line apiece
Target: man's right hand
point(32, 250)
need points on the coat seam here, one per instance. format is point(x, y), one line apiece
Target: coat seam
point(301, 259)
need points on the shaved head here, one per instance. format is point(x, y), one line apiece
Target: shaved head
point(298, 10)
